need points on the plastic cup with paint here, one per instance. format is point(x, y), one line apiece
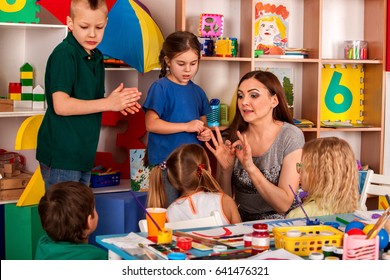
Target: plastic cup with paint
point(159, 216)
point(184, 243)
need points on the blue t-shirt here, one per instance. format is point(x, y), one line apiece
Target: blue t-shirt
point(177, 104)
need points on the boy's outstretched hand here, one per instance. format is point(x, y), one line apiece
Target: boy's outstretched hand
point(125, 100)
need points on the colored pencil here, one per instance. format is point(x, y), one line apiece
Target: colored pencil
point(342, 221)
point(379, 224)
point(383, 205)
point(388, 199)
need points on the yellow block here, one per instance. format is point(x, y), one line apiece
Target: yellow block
point(26, 75)
point(34, 190)
point(15, 96)
point(26, 138)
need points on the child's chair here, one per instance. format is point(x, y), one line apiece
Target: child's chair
point(375, 184)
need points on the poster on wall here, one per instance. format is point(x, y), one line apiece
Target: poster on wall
point(271, 27)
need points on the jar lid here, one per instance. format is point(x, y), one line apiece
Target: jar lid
point(316, 256)
point(176, 256)
point(248, 237)
point(260, 226)
point(386, 256)
point(332, 258)
point(328, 248)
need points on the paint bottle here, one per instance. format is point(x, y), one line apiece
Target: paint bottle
point(316, 256)
point(248, 240)
point(327, 250)
point(260, 238)
point(338, 252)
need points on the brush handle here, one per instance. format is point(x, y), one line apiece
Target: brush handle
point(146, 212)
point(300, 204)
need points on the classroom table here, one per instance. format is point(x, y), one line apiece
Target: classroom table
point(127, 255)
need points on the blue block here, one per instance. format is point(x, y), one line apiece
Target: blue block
point(118, 213)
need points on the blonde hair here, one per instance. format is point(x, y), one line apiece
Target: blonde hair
point(330, 172)
point(188, 170)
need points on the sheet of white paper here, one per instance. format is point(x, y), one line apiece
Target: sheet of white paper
point(129, 241)
point(222, 231)
point(367, 216)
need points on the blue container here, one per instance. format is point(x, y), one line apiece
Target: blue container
point(213, 118)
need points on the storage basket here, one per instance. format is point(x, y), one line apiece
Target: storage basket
point(311, 240)
point(357, 247)
point(104, 180)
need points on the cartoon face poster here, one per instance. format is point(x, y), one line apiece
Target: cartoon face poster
point(271, 28)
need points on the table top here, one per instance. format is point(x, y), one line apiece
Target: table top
point(136, 253)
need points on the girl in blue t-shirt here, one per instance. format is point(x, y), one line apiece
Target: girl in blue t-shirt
point(176, 108)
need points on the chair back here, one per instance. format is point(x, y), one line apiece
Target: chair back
point(375, 184)
point(214, 219)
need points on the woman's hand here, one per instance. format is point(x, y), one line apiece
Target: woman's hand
point(205, 135)
point(243, 152)
point(223, 152)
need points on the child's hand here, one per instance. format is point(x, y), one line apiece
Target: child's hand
point(195, 126)
point(124, 100)
point(205, 135)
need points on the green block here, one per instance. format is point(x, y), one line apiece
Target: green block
point(38, 97)
point(22, 231)
point(27, 96)
point(26, 82)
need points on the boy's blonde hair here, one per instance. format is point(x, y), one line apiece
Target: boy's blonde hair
point(188, 169)
point(92, 4)
point(330, 172)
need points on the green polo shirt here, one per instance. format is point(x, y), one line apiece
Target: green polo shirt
point(47, 249)
point(70, 142)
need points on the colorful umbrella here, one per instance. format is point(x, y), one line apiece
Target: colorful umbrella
point(132, 36)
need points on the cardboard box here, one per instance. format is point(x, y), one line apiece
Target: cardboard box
point(6, 105)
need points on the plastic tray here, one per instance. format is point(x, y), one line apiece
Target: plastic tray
point(98, 181)
point(311, 240)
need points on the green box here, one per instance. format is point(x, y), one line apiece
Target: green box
point(22, 231)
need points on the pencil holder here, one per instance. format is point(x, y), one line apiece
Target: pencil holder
point(214, 116)
point(355, 50)
point(357, 247)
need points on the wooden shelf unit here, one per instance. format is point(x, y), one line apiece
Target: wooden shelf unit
point(311, 29)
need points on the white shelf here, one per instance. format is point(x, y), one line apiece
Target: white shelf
point(21, 112)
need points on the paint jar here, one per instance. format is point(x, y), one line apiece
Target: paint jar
point(338, 252)
point(316, 256)
point(327, 250)
point(331, 258)
point(355, 49)
point(386, 256)
point(219, 248)
point(164, 236)
point(184, 243)
point(260, 238)
point(248, 240)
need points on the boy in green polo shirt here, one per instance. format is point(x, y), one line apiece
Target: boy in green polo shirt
point(74, 84)
point(68, 215)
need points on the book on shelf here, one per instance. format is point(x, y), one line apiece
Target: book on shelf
point(303, 123)
point(343, 124)
point(288, 56)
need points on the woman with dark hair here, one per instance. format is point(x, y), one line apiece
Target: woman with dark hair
point(257, 154)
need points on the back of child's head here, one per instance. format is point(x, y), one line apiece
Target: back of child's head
point(175, 44)
point(330, 174)
point(188, 170)
point(64, 211)
point(91, 4)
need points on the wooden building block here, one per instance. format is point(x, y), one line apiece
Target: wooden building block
point(6, 105)
point(22, 231)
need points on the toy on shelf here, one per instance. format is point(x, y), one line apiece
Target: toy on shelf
point(226, 47)
point(207, 46)
point(26, 82)
point(15, 91)
point(38, 101)
point(210, 25)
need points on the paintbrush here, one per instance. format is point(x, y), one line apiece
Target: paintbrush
point(146, 212)
point(379, 224)
point(388, 199)
point(308, 221)
point(204, 241)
